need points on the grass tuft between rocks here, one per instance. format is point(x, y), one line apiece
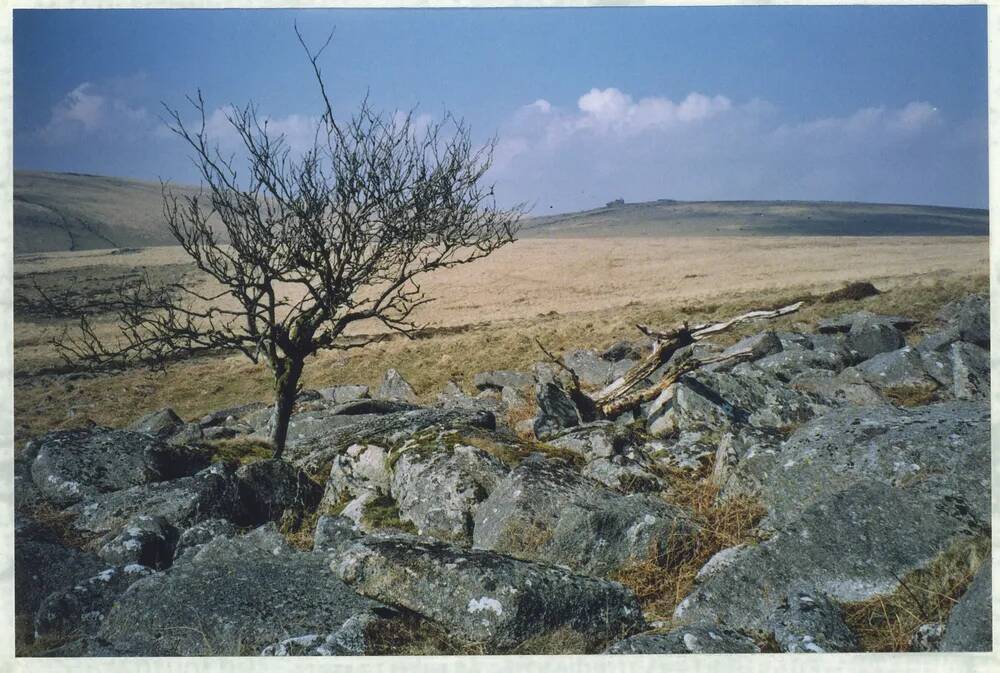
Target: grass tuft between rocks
point(383, 512)
point(912, 395)
point(239, 450)
point(887, 623)
point(660, 584)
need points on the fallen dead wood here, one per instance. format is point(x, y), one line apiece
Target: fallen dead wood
point(621, 394)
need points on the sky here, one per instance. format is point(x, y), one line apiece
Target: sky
point(853, 103)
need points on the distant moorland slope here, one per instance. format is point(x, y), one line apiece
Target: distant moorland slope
point(68, 211)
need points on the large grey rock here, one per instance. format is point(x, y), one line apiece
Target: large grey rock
point(499, 380)
point(335, 534)
point(970, 368)
point(486, 597)
point(947, 445)
point(745, 396)
point(902, 367)
point(145, 540)
point(201, 533)
point(600, 439)
point(808, 621)
point(82, 606)
point(270, 487)
point(835, 389)
point(868, 338)
point(971, 317)
point(852, 546)
point(344, 393)
point(395, 388)
point(699, 638)
point(438, 486)
point(210, 494)
point(970, 624)
point(592, 370)
point(544, 510)
point(72, 465)
point(623, 474)
point(556, 410)
point(233, 597)
point(759, 346)
point(162, 423)
point(361, 467)
point(845, 322)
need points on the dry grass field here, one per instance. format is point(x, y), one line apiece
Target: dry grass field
point(568, 293)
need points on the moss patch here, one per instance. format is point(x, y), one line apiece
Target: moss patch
point(383, 512)
point(239, 450)
point(887, 623)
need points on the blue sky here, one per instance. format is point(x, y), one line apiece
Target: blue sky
point(841, 103)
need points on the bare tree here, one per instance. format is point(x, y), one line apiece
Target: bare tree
point(314, 242)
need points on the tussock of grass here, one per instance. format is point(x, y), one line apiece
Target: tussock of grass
point(560, 641)
point(851, 292)
point(299, 528)
point(240, 450)
point(383, 512)
point(887, 623)
point(660, 584)
point(913, 395)
point(60, 523)
point(410, 635)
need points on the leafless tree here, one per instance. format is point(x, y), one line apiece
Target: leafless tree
point(314, 242)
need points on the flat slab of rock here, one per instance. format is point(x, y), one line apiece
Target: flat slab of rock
point(498, 380)
point(844, 323)
point(487, 597)
point(234, 597)
point(546, 511)
point(71, 465)
point(851, 546)
point(946, 445)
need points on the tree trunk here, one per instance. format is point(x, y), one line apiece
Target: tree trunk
point(286, 387)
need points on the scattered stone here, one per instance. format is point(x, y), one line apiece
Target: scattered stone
point(162, 423)
point(700, 638)
point(499, 380)
point(623, 350)
point(868, 338)
point(807, 621)
point(231, 414)
point(395, 388)
point(599, 439)
point(592, 370)
point(486, 597)
point(927, 638)
point(623, 474)
point(844, 323)
point(345, 393)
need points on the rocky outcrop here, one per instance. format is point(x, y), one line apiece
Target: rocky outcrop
point(970, 625)
point(486, 597)
point(395, 388)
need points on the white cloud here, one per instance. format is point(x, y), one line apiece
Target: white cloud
point(91, 109)
point(708, 147)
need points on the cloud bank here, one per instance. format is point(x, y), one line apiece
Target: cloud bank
point(609, 145)
point(709, 147)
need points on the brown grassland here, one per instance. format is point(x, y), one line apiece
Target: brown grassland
point(568, 293)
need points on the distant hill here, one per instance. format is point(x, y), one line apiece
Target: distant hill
point(777, 218)
point(69, 211)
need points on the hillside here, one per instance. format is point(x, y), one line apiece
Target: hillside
point(776, 218)
point(68, 211)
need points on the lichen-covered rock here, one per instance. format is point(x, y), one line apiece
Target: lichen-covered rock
point(600, 439)
point(162, 423)
point(759, 346)
point(789, 363)
point(686, 451)
point(231, 414)
point(486, 597)
point(145, 540)
point(361, 467)
point(556, 409)
point(546, 511)
point(942, 444)
point(202, 532)
point(210, 494)
point(335, 533)
point(699, 638)
point(395, 388)
point(353, 638)
point(970, 369)
point(971, 317)
point(623, 474)
point(344, 393)
point(845, 322)
point(438, 488)
point(592, 370)
point(868, 338)
point(927, 637)
point(231, 597)
point(807, 621)
point(970, 624)
point(498, 380)
point(71, 465)
point(269, 487)
point(82, 607)
point(902, 367)
point(851, 546)
point(42, 566)
point(836, 389)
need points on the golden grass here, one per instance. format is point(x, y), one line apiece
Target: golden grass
point(661, 584)
point(60, 523)
point(888, 623)
point(495, 309)
point(239, 450)
point(912, 396)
